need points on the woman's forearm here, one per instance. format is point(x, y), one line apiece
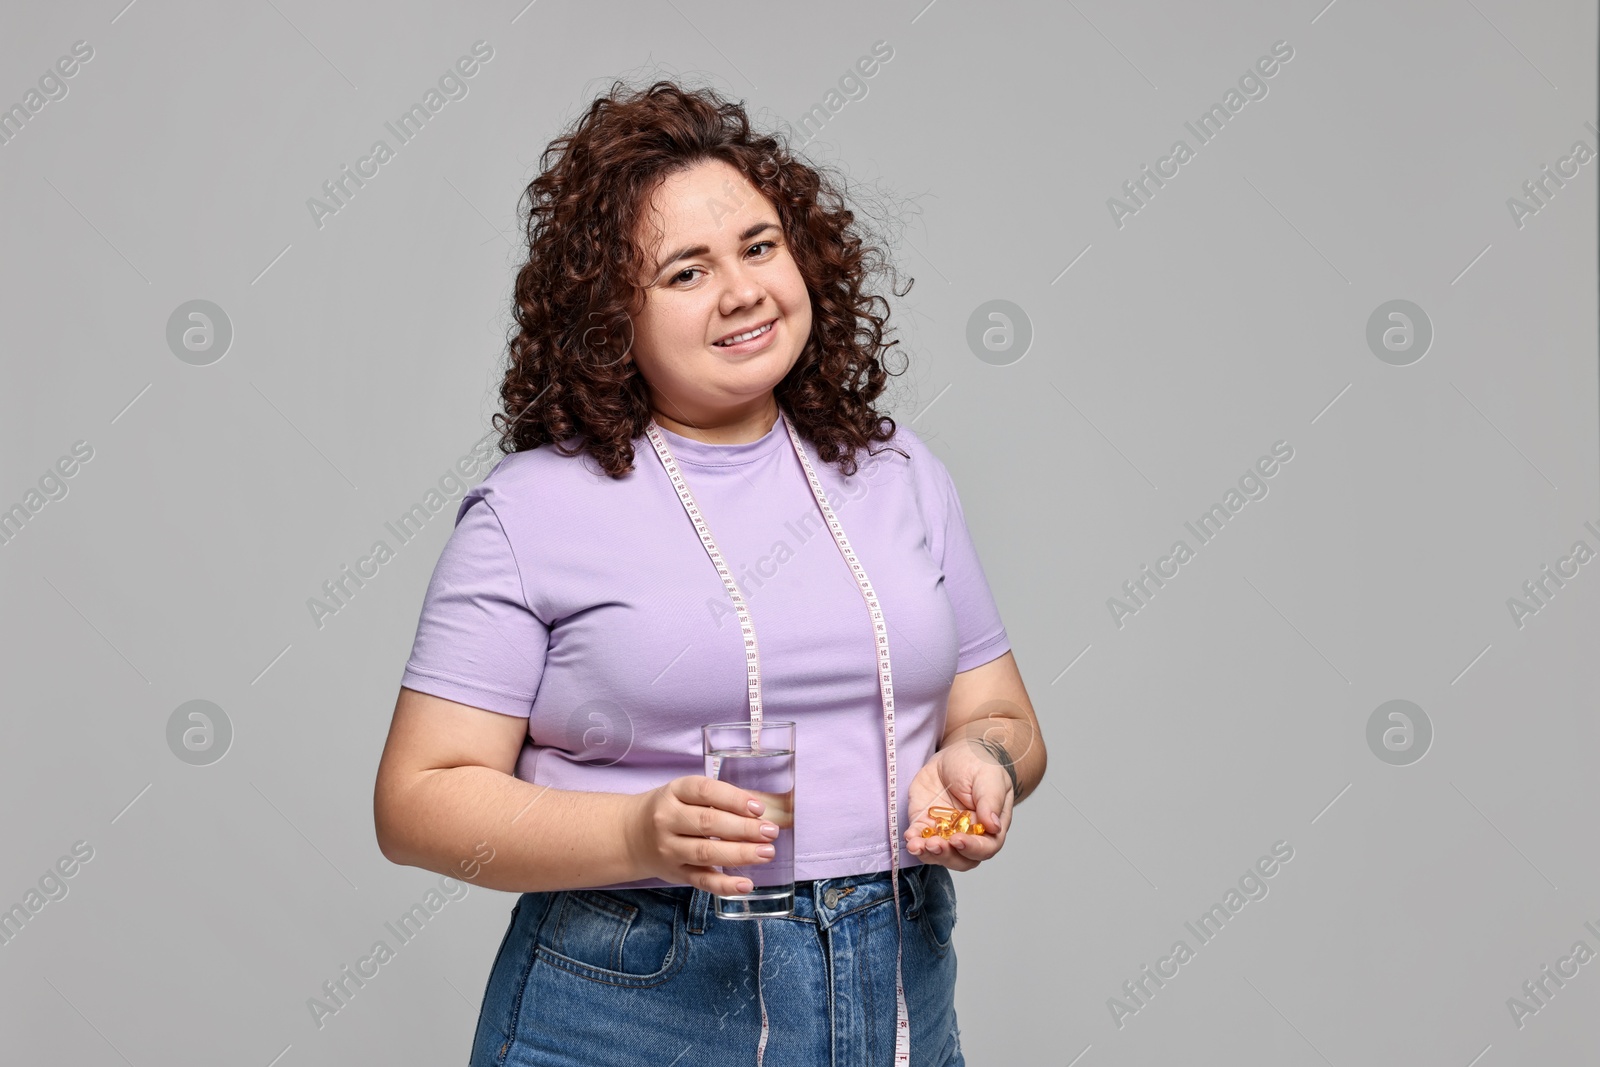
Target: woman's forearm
point(500, 832)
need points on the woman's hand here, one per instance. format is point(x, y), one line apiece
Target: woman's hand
point(964, 775)
point(669, 835)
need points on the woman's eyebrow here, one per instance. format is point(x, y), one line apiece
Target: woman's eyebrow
point(700, 250)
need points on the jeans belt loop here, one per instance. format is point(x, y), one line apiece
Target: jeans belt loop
point(699, 909)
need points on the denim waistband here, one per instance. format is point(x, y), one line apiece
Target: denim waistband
point(823, 901)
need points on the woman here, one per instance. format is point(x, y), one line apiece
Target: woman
point(695, 295)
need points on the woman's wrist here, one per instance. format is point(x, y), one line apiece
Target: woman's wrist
point(1009, 742)
point(1001, 756)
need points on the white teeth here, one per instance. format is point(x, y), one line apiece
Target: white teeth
point(740, 338)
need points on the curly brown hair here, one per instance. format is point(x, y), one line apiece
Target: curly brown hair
point(574, 300)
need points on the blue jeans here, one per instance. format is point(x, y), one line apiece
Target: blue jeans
point(593, 978)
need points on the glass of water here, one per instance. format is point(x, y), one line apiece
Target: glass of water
point(763, 765)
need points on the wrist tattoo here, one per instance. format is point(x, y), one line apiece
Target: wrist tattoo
point(1002, 757)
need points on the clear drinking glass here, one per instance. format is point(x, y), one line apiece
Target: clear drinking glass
point(764, 766)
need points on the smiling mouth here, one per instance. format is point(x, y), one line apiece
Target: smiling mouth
point(748, 335)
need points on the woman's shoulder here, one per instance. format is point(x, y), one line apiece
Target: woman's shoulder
point(546, 468)
point(538, 485)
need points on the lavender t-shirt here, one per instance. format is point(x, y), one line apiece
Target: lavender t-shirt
point(589, 606)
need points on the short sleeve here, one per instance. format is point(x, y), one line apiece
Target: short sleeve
point(983, 635)
point(477, 642)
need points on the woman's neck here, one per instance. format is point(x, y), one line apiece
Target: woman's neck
point(725, 428)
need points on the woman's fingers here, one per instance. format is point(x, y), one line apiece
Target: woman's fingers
point(975, 847)
point(951, 858)
point(695, 821)
point(778, 808)
point(700, 791)
point(707, 837)
point(699, 854)
point(712, 825)
point(960, 851)
point(705, 852)
point(715, 882)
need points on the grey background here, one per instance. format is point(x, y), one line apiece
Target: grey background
point(1228, 314)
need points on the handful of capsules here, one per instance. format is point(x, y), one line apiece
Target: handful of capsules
point(947, 821)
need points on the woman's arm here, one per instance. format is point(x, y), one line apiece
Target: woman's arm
point(989, 707)
point(989, 725)
point(447, 801)
point(445, 788)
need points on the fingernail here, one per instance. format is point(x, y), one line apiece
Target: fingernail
point(745, 885)
point(769, 829)
point(958, 843)
point(766, 851)
point(756, 807)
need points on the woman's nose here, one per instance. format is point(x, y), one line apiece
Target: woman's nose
point(742, 290)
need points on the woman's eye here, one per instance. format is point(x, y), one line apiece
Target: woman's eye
point(687, 272)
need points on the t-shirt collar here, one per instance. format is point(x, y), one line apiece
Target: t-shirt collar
point(690, 452)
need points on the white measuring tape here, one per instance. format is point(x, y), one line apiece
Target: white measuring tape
point(902, 1025)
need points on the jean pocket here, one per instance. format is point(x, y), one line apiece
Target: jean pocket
point(619, 937)
point(938, 907)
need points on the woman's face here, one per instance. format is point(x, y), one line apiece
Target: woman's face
point(719, 267)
